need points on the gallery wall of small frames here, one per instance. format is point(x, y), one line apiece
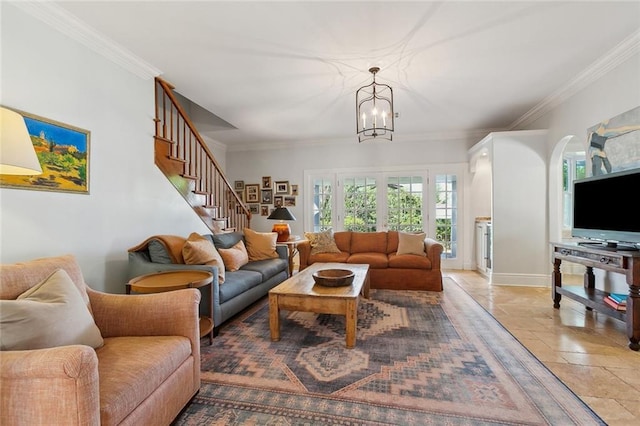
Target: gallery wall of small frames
point(261, 198)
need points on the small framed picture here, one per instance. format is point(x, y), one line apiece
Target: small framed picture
point(238, 185)
point(266, 182)
point(266, 196)
point(240, 195)
point(289, 201)
point(282, 187)
point(254, 208)
point(277, 201)
point(252, 193)
point(294, 189)
point(264, 210)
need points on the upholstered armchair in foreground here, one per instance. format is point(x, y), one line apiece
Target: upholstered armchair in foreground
point(137, 361)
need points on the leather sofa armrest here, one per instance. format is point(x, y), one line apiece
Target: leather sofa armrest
point(433, 249)
point(54, 386)
point(304, 251)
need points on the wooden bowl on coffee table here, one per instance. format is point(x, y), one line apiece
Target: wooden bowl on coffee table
point(333, 277)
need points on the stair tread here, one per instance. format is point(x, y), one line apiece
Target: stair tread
point(176, 159)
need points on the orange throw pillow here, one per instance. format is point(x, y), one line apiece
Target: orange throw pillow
point(235, 257)
point(260, 245)
point(198, 250)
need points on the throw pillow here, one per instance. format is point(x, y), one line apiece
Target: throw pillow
point(51, 313)
point(260, 245)
point(235, 257)
point(322, 242)
point(411, 243)
point(198, 250)
point(158, 252)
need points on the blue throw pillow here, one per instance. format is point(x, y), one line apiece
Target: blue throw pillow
point(226, 240)
point(158, 252)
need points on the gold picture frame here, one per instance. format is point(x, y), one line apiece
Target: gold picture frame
point(252, 193)
point(63, 153)
point(282, 187)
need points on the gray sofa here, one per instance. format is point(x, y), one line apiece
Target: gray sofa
point(240, 289)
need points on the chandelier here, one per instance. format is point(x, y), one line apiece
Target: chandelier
point(374, 110)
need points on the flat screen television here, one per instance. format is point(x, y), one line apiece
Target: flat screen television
point(605, 210)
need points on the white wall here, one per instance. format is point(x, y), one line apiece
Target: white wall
point(290, 164)
point(614, 93)
point(47, 74)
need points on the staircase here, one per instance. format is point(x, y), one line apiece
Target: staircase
point(185, 159)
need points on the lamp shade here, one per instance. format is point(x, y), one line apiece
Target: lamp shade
point(282, 229)
point(17, 155)
point(281, 213)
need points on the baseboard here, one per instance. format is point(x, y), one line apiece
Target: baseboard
point(529, 280)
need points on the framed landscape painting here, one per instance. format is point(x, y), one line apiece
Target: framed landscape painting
point(63, 152)
point(614, 144)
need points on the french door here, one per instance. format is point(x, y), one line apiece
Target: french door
point(408, 201)
point(371, 202)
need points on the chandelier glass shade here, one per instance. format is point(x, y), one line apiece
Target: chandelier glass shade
point(374, 110)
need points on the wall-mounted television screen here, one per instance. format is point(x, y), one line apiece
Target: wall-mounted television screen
point(605, 209)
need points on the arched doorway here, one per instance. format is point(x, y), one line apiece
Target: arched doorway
point(567, 162)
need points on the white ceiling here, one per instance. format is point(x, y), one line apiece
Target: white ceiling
point(287, 72)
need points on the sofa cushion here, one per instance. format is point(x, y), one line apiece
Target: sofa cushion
point(392, 242)
point(51, 313)
point(19, 277)
point(411, 244)
point(339, 257)
point(235, 257)
point(409, 262)
point(199, 250)
point(267, 268)
point(322, 242)
point(226, 240)
point(260, 245)
point(132, 368)
point(238, 282)
point(363, 242)
point(373, 259)
point(343, 240)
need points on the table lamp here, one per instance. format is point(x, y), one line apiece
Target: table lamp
point(281, 228)
point(17, 155)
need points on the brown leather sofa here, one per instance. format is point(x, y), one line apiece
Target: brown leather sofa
point(388, 270)
point(146, 371)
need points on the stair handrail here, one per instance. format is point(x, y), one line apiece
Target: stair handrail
point(168, 90)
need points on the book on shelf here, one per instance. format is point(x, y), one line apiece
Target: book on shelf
point(614, 304)
point(618, 297)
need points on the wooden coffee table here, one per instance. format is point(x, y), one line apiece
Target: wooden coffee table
point(300, 293)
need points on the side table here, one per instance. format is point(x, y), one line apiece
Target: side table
point(159, 282)
point(292, 248)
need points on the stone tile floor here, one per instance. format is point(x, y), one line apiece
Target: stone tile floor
point(587, 350)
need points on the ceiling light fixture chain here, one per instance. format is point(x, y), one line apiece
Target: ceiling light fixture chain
point(374, 110)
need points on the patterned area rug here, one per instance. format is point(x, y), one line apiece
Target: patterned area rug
point(420, 358)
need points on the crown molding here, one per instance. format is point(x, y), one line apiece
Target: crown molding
point(60, 19)
point(616, 56)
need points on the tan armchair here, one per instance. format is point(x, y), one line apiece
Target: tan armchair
point(147, 370)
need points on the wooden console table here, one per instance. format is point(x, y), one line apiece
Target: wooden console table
point(624, 262)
